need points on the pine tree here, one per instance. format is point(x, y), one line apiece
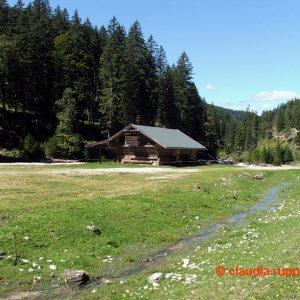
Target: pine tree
point(239, 139)
point(68, 111)
point(137, 110)
point(112, 99)
point(4, 17)
point(66, 143)
point(212, 141)
point(161, 61)
point(7, 61)
point(76, 59)
point(279, 120)
point(187, 99)
point(168, 113)
point(39, 45)
point(152, 72)
point(277, 154)
point(60, 21)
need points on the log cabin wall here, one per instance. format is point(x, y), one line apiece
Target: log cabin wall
point(137, 155)
point(166, 156)
point(154, 155)
point(176, 155)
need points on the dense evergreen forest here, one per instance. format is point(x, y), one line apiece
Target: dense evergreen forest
point(64, 82)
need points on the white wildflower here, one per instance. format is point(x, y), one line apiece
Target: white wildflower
point(169, 275)
point(185, 262)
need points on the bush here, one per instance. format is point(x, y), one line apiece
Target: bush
point(31, 149)
point(63, 145)
point(244, 157)
point(51, 147)
point(271, 153)
point(277, 155)
point(287, 155)
point(255, 156)
point(266, 155)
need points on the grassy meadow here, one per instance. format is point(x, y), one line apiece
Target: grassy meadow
point(45, 211)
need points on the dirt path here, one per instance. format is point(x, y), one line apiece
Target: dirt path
point(99, 171)
point(131, 170)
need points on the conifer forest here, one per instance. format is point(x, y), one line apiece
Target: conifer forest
point(65, 82)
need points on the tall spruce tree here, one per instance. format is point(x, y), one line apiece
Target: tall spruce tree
point(187, 99)
point(60, 21)
point(168, 112)
point(66, 143)
point(39, 45)
point(161, 60)
point(112, 97)
point(137, 110)
point(4, 16)
point(152, 77)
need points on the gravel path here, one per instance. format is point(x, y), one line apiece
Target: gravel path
point(99, 171)
point(132, 170)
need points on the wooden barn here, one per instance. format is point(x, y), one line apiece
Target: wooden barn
point(151, 145)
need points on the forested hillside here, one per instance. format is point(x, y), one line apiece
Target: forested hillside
point(273, 137)
point(64, 82)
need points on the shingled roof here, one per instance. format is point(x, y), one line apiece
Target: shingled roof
point(165, 137)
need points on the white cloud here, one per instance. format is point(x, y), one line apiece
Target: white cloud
point(209, 87)
point(276, 95)
point(252, 108)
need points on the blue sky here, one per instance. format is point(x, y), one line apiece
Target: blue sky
point(244, 52)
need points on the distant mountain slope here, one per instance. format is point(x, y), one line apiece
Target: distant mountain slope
point(237, 115)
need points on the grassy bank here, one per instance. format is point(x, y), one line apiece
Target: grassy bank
point(138, 214)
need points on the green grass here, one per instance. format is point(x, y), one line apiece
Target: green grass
point(270, 240)
point(139, 214)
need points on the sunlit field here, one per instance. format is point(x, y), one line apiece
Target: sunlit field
point(45, 212)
